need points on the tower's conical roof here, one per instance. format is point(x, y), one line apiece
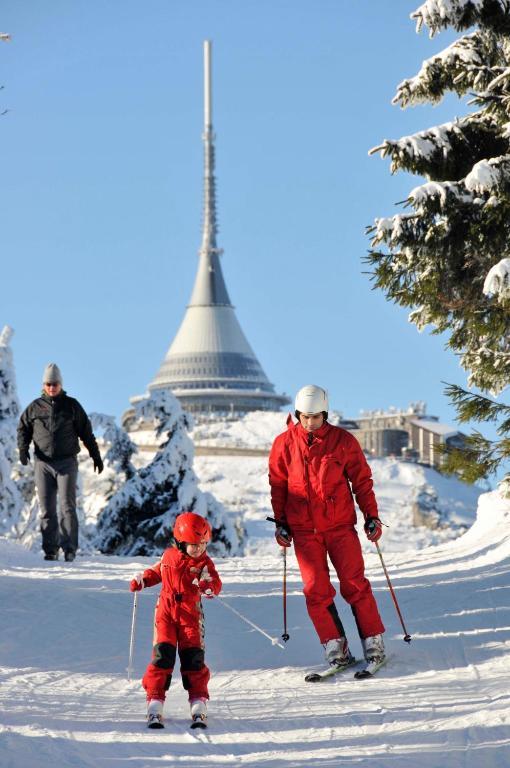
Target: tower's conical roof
point(210, 365)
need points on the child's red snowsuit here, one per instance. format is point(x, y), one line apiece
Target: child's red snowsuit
point(311, 495)
point(179, 623)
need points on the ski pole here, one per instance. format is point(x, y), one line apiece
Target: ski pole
point(132, 638)
point(407, 636)
point(274, 640)
point(285, 635)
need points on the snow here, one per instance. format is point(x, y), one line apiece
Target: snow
point(441, 702)
point(421, 145)
point(445, 430)
point(11, 500)
point(9, 404)
point(255, 430)
point(420, 195)
point(463, 54)
point(436, 14)
point(497, 282)
point(391, 228)
point(486, 175)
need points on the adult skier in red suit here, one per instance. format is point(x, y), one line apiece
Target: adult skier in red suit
point(314, 470)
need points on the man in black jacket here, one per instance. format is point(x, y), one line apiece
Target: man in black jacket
point(54, 422)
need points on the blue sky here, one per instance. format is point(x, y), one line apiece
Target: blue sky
point(102, 188)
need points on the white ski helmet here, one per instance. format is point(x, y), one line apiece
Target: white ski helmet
point(311, 399)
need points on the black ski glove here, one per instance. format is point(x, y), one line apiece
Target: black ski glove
point(24, 456)
point(283, 536)
point(98, 464)
point(373, 528)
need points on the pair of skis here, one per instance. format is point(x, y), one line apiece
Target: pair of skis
point(156, 721)
point(370, 669)
point(372, 666)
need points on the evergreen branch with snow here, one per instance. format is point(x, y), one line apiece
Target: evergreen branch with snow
point(468, 64)
point(493, 15)
point(478, 459)
point(448, 260)
point(475, 407)
point(447, 151)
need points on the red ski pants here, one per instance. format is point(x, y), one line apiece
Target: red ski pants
point(182, 630)
point(344, 550)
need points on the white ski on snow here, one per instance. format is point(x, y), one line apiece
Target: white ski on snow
point(331, 671)
point(370, 669)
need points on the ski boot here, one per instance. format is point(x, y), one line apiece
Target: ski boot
point(338, 653)
point(155, 714)
point(375, 657)
point(198, 713)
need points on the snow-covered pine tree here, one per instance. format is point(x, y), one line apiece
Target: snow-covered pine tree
point(11, 501)
point(448, 257)
point(9, 403)
point(139, 518)
point(120, 447)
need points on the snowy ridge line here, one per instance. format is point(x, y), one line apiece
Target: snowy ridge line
point(72, 666)
point(214, 450)
point(481, 546)
point(459, 633)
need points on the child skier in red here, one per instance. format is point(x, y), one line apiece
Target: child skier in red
point(187, 573)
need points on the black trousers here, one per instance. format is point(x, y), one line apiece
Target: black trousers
point(57, 476)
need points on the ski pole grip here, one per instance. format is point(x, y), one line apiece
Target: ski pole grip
point(271, 520)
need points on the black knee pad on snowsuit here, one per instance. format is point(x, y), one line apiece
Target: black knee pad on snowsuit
point(164, 655)
point(192, 659)
point(332, 609)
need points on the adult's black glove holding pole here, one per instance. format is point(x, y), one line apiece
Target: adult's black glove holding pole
point(284, 538)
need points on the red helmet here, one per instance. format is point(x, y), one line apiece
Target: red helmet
point(191, 528)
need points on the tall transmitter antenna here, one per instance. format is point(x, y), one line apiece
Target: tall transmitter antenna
point(207, 86)
point(210, 366)
point(210, 229)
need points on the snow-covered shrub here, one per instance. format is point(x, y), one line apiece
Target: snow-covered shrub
point(11, 500)
point(120, 447)
point(139, 518)
point(9, 404)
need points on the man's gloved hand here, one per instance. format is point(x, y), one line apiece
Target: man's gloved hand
point(283, 536)
point(24, 456)
point(136, 584)
point(98, 464)
point(373, 528)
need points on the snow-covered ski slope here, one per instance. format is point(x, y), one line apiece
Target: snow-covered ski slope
point(443, 701)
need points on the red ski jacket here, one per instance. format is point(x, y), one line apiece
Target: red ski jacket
point(177, 572)
point(311, 481)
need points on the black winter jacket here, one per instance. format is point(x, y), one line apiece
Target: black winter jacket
point(55, 424)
